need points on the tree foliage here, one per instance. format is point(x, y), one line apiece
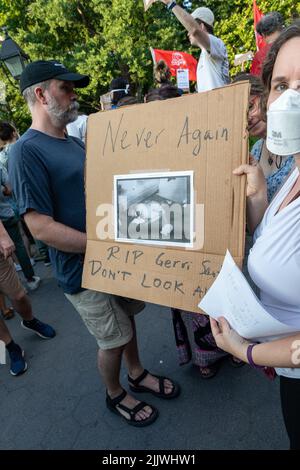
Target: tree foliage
point(109, 38)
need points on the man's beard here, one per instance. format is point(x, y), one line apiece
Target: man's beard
point(60, 117)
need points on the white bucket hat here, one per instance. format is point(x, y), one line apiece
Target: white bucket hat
point(204, 14)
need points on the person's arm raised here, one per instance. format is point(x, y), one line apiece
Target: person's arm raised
point(55, 234)
point(190, 24)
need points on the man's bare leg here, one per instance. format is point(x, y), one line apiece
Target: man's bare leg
point(4, 333)
point(135, 368)
point(22, 305)
point(109, 364)
point(7, 312)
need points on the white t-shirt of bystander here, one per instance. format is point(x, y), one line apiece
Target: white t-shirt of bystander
point(274, 262)
point(78, 127)
point(213, 66)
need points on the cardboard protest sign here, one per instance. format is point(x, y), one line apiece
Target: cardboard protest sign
point(148, 3)
point(177, 154)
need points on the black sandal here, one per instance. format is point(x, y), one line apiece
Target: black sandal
point(113, 404)
point(135, 387)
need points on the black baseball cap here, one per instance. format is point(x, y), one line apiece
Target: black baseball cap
point(42, 70)
point(119, 83)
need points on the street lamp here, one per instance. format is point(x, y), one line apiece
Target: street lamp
point(12, 56)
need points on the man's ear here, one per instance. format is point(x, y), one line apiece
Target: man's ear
point(40, 95)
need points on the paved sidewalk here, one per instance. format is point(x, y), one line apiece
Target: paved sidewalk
point(59, 402)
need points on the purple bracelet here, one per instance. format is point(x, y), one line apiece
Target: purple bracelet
point(250, 358)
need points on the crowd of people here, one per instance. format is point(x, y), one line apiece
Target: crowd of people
point(45, 179)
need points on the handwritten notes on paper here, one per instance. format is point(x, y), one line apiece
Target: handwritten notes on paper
point(232, 297)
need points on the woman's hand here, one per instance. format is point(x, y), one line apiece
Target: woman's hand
point(257, 197)
point(228, 339)
point(256, 182)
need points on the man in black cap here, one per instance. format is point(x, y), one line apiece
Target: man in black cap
point(47, 174)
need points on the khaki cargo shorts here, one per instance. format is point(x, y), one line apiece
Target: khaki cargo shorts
point(10, 284)
point(106, 316)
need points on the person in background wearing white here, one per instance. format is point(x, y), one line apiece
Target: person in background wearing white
point(77, 128)
point(274, 261)
point(213, 65)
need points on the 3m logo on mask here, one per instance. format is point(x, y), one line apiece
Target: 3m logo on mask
point(283, 124)
point(2, 353)
point(276, 135)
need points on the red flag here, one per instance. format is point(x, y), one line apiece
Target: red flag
point(258, 60)
point(177, 60)
point(257, 15)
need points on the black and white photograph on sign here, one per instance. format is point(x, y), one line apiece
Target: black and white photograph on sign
point(154, 208)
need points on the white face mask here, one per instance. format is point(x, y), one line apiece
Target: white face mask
point(126, 90)
point(283, 124)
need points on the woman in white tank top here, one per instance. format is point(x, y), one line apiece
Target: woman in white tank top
point(274, 261)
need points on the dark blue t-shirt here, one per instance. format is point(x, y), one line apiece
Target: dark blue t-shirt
point(47, 175)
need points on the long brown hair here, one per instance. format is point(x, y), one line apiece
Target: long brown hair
point(256, 86)
point(291, 32)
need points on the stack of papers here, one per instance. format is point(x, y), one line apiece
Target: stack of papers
point(231, 297)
